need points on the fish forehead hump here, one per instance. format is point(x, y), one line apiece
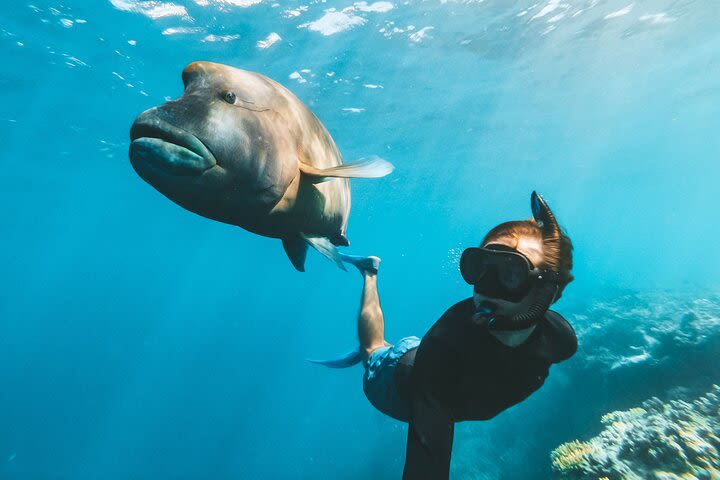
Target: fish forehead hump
point(257, 92)
point(253, 90)
point(248, 86)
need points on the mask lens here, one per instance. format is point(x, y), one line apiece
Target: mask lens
point(496, 273)
point(471, 266)
point(511, 275)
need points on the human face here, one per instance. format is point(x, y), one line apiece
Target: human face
point(532, 249)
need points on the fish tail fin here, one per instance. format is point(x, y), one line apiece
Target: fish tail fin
point(348, 360)
point(326, 248)
point(368, 167)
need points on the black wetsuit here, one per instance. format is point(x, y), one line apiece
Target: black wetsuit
point(462, 372)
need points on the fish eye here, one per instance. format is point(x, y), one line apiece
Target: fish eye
point(230, 97)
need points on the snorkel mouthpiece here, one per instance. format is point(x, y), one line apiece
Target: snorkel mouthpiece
point(546, 294)
point(484, 312)
point(485, 308)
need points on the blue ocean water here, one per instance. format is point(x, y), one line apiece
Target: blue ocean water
point(141, 341)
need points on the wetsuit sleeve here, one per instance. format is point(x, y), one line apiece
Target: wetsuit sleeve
point(429, 443)
point(564, 340)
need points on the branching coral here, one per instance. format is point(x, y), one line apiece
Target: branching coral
point(572, 456)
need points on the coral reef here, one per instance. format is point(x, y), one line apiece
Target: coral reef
point(677, 440)
point(633, 347)
point(646, 329)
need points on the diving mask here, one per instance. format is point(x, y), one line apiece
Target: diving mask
point(499, 271)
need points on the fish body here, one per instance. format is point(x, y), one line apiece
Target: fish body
point(240, 148)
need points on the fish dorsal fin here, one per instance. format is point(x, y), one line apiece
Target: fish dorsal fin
point(370, 167)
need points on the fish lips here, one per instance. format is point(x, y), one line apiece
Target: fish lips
point(170, 149)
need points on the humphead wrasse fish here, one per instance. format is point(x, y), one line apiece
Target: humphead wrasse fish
point(239, 148)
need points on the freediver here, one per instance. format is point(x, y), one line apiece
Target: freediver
point(485, 354)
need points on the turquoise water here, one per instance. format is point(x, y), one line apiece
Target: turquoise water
point(138, 340)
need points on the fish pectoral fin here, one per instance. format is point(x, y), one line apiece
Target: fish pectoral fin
point(325, 247)
point(369, 167)
point(296, 249)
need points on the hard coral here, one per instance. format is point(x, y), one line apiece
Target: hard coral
point(678, 440)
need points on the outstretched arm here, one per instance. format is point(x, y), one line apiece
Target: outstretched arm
point(429, 442)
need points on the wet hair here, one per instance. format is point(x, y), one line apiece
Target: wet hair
point(557, 252)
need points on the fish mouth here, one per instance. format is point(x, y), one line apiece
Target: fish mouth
point(171, 149)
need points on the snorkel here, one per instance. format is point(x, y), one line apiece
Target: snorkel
point(549, 283)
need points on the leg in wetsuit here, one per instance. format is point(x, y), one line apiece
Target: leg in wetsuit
point(430, 430)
